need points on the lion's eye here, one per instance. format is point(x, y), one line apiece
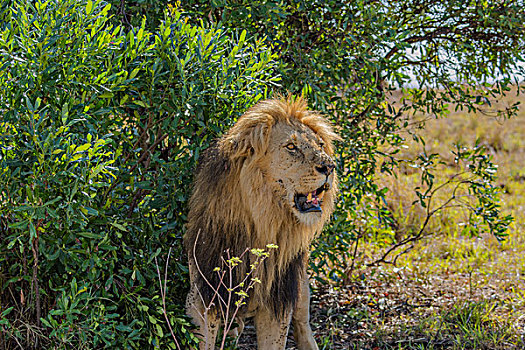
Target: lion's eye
point(291, 147)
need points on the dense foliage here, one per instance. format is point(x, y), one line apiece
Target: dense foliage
point(105, 111)
point(100, 132)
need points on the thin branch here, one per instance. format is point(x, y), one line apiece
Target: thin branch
point(354, 255)
point(163, 296)
point(429, 215)
point(199, 269)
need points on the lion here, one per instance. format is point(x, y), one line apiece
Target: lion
point(269, 180)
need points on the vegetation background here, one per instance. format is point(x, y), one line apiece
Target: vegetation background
point(106, 106)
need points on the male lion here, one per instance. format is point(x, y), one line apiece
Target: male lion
point(269, 179)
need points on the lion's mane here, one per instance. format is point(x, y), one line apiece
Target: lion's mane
point(232, 208)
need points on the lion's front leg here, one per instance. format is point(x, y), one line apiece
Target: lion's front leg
point(271, 332)
point(302, 331)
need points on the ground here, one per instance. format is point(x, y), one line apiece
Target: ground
point(452, 290)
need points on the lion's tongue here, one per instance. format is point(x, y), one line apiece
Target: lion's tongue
point(312, 199)
point(310, 202)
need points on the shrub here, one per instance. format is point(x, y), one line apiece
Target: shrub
point(100, 132)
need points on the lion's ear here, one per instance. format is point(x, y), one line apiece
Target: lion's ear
point(247, 137)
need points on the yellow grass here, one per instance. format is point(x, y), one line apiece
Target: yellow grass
point(448, 266)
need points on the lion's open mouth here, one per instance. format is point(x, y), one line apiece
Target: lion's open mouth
point(311, 202)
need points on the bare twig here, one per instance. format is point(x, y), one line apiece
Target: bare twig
point(163, 291)
point(354, 255)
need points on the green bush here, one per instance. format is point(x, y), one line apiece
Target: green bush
point(100, 132)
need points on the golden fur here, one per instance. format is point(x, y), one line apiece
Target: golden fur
point(244, 196)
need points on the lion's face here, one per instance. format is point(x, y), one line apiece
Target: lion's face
point(300, 170)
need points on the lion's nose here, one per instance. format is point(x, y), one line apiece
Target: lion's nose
point(325, 169)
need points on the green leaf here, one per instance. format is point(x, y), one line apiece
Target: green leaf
point(82, 148)
point(160, 333)
point(89, 7)
point(65, 112)
point(105, 10)
point(91, 211)
point(32, 231)
point(134, 74)
point(20, 224)
point(91, 235)
point(241, 38)
point(119, 226)
point(29, 105)
point(11, 244)
point(7, 311)
point(152, 319)
point(107, 94)
point(141, 103)
point(52, 201)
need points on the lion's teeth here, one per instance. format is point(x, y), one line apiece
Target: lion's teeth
point(309, 198)
point(320, 195)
